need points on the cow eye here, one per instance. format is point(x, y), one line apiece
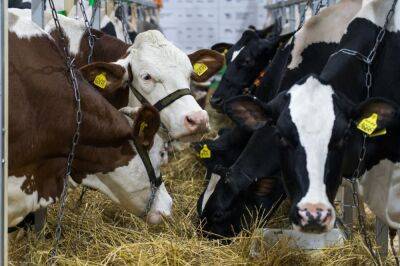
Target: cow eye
point(283, 141)
point(146, 77)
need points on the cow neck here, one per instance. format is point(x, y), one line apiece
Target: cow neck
point(346, 74)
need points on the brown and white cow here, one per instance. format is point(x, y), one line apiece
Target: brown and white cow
point(42, 124)
point(153, 66)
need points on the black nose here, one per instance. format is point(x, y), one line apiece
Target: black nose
point(216, 103)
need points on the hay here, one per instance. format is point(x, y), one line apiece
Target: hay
point(98, 232)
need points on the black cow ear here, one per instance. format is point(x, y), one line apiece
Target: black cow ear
point(247, 112)
point(377, 114)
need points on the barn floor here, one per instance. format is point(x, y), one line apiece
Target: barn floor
point(98, 232)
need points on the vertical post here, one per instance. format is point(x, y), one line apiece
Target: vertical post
point(37, 10)
point(96, 21)
point(382, 237)
point(347, 203)
point(292, 18)
point(4, 132)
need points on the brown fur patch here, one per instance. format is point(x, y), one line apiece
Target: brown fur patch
point(146, 125)
point(212, 59)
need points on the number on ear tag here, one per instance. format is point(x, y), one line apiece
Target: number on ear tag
point(205, 152)
point(369, 124)
point(200, 68)
point(143, 125)
point(101, 80)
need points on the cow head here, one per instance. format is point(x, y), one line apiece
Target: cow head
point(245, 61)
point(316, 128)
point(156, 69)
point(129, 185)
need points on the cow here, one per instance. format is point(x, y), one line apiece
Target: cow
point(43, 117)
point(153, 66)
point(245, 60)
point(250, 166)
point(318, 123)
point(312, 39)
point(22, 4)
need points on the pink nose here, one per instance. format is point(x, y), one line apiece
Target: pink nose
point(315, 216)
point(197, 122)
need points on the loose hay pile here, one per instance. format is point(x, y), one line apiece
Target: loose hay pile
point(98, 232)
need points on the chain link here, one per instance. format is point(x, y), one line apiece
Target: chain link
point(77, 97)
point(368, 60)
point(124, 22)
point(89, 26)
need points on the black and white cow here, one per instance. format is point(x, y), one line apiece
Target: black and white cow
point(259, 161)
point(316, 122)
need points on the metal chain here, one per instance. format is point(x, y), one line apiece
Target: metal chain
point(368, 60)
point(89, 26)
point(124, 22)
point(72, 75)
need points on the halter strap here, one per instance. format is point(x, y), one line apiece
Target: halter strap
point(155, 182)
point(164, 102)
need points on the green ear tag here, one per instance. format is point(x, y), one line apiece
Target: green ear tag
point(205, 152)
point(143, 125)
point(100, 80)
point(369, 124)
point(200, 68)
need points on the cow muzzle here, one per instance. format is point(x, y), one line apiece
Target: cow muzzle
point(197, 122)
point(315, 218)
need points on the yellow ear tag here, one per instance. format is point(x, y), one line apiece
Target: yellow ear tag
point(143, 125)
point(101, 80)
point(200, 68)
point(205, 152)
point(369, 124)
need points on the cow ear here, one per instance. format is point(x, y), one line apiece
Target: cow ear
point(248, 112)
point(106, 77)
point(377, 114)
point(221, 47)
point(146, 125)
point(206, 63)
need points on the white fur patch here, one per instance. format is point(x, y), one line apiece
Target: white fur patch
point(210, 189)
point(170, 69)
point(311, 110)
point(380, 189)
point(23, 25)
point(376, 11)
point(327, 27)
point(74, 29)
point(21, 204)
point(236, 53)
point(129, 185)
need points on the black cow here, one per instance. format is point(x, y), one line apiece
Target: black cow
point(257, 161)
point(21, 4)
point(317, 120)
point(245, 60)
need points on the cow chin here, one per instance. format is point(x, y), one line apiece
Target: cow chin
point(314, 228)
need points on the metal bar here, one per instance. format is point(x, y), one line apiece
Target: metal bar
point(285, 4)
point(97, 17)
point(4, 123)
point(146, 3)
point(382, 237)
point(37, 9)
point(347, 202)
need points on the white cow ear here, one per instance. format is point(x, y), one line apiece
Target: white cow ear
point(106, 77)
point(206, 63)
